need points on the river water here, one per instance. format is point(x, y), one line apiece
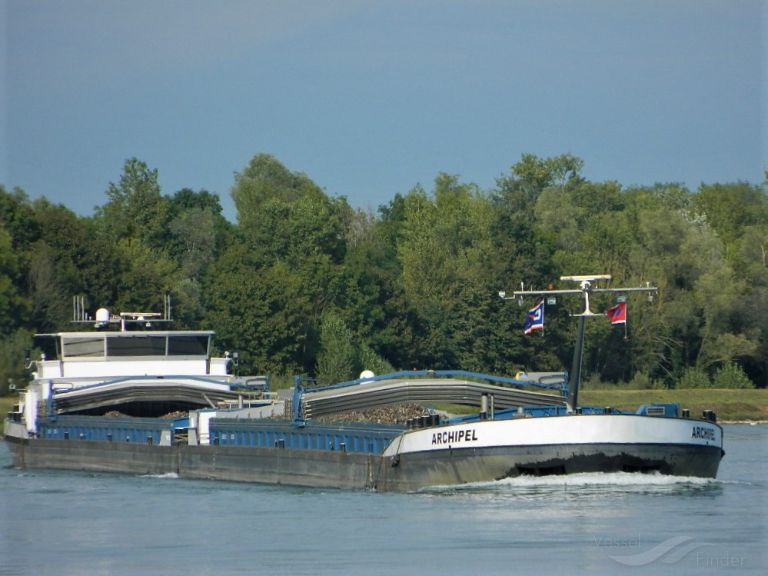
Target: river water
point(63, 523)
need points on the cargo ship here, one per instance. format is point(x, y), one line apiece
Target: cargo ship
point(121, 395)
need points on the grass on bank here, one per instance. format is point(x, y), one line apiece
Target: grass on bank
point(729, 404)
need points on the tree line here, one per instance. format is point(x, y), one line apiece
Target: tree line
point(303, 282)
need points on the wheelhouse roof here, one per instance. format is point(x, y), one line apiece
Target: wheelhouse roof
point(127, 333)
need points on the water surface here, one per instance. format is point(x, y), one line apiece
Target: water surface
point(64, 523)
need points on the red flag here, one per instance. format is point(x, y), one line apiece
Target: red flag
point(618, 313)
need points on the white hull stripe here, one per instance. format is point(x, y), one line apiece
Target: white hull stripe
point(560, 430)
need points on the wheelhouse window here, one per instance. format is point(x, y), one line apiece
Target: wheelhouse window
point(136, 346)
point(83, 347)
point(188, 345)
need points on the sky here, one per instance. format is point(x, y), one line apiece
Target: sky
point(370, 98)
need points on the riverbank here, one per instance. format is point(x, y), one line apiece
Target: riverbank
point(730, 405)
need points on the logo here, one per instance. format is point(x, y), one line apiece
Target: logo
point(670, 551)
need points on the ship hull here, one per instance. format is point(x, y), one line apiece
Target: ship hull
point(480, 452)
point(470, 465)
point(492, 450)
point(235, 464)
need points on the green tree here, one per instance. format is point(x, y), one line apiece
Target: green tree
point(263, 312)
point(18, 231)
point(18, 218)
point(336, 358)
point(285, 216)
point(294, 234)
point(13, 348)
point(146, 277)
point(370, 295)
point(368, 359)
point(136, 208)
point(730, 208)
point(414, 285)
point(188, 209)
point(445, 251)
point(14, 307)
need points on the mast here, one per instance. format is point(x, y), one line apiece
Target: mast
point(587, 286)
point(574, 379)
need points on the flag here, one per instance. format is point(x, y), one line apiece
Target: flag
point(534, 319)
point(618, 313)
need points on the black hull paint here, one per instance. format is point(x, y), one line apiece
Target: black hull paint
point(414, 471)
point(334, 469)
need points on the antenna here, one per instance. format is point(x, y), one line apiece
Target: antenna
point(104, 317)
point(587, 286)
point(167, 308)
point(78, 309)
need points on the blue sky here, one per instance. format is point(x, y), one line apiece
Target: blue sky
point(370, 98)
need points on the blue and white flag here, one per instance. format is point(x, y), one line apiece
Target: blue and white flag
point(534, 319)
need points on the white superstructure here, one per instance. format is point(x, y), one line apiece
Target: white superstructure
point(135, 368)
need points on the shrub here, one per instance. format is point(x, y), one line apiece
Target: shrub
point(640, 381)
point(694, 377)
point(732, 376)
